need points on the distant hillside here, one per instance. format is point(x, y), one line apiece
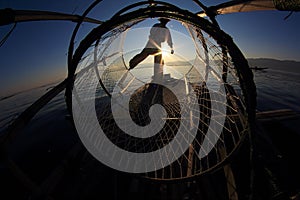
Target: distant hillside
point(169, 63)
point(180, 63)
point(287, 65)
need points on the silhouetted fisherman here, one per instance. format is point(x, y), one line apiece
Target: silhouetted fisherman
point(159, 33)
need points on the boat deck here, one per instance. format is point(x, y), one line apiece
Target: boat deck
point(80, 176)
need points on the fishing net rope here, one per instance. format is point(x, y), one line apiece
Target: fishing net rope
point(287, 5)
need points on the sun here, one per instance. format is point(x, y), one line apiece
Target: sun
point(166, 53)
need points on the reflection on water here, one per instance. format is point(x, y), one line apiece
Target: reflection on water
point(276, 89)
point(13, 105)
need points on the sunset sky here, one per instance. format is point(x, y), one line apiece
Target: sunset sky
point(36, 52)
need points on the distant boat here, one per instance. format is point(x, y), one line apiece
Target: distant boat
point(258, 68)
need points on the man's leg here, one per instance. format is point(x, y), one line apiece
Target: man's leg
point(158, 67)
point(158, 76)
point(141, 56)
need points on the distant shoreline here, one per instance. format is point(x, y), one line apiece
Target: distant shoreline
point(286, 65)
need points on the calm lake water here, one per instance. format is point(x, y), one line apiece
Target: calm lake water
point(277, 88)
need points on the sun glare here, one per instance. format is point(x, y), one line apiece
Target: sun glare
point(166, 53)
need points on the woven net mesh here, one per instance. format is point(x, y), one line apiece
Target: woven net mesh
point(212, 78)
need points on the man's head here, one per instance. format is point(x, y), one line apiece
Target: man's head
point(163, 20)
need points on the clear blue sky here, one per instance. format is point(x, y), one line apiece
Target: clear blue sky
point(36, 52)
